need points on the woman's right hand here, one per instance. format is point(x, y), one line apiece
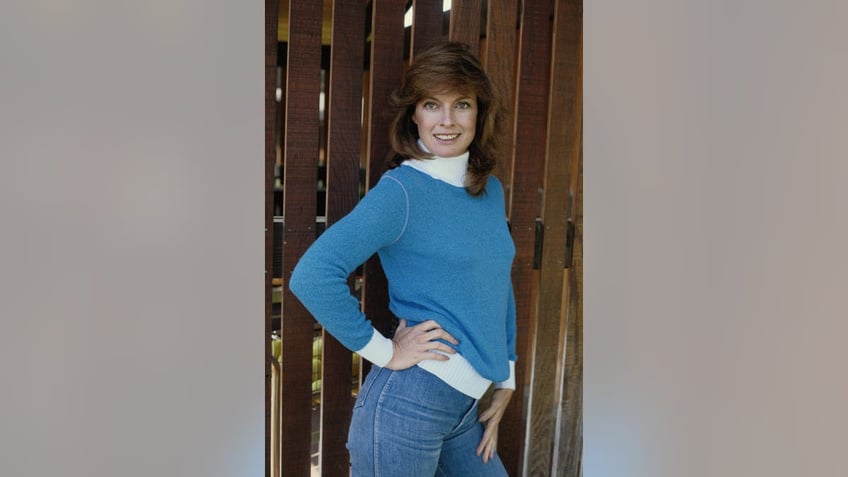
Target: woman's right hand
point(416, 343)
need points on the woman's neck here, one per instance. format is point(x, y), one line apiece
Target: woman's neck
point(448, 169)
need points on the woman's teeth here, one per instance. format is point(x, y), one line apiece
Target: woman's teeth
point(446, 137)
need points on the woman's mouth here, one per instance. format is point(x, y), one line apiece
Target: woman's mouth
point(446, 137)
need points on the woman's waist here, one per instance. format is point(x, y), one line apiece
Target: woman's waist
point(458, 373)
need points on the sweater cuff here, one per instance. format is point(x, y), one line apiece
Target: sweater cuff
point(510, 382)
point(379, 350)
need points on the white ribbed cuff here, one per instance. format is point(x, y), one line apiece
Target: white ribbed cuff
point(510, 382)
point(379, 350)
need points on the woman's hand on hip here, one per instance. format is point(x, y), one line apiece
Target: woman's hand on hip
point(491, 418)
point(413, 344)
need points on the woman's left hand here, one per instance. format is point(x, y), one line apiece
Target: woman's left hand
point(491, 418)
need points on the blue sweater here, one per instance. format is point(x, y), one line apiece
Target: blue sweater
point(446, 254)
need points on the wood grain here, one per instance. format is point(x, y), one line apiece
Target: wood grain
point(427, 19)
point(549, 346)
point(498, 54)
point(344, 107)
point(465, 23)
point(498, 57)
point(527, 180)
point(300, 149)
point(570, 443)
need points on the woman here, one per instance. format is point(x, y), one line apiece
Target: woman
point(437, 220)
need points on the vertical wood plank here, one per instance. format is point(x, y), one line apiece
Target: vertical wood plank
point(427, 19)
point(530, 141)
point(303, 71)
point(385, 76)
point(344, 107)
point(570, 444)
point(564, 121)
point(499, 60)
point(271, 15)
point(465, 23)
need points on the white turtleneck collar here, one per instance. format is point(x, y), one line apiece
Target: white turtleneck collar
point(447, 169)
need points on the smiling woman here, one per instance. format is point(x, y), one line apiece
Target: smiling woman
point(438, 226)
point(448, 106)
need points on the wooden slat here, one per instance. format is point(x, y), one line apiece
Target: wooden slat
point(569, 448)
point(564, 121)
point(344, 107)
point(465, 22)
point(499, 60)
point(385, 76)
point(427, 19)
point(570, 445)
point(300, 163)
point(271, 14)
point(530, 140)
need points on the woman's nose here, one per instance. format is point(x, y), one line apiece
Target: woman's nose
point(447, 116)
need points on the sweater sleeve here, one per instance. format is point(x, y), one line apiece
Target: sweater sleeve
point(511, 326)
point(510, 342)
point(319, 279)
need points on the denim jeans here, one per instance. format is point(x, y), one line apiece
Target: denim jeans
point(410, 423)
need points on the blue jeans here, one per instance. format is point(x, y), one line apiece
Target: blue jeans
point(410, 423)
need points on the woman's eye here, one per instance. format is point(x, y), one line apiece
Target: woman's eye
point(431, 106)
point(463, 105)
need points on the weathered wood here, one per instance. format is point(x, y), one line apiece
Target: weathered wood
point(570, 443)
point(427, 19)
point(563, 147)
point(564, 119)
point(344, 105)
point(530, 143)
point(465, 23)
point(498, 56)
point(385, 76)
point(300, 150)
point(271, 15)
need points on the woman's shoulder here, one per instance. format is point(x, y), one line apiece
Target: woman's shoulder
point(406, 176)
point(493, 185)
point(493, 179)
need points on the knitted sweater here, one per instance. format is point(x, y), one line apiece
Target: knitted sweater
point(447, 256)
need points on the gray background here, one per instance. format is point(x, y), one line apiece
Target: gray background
point(131, 265)
point(131, 268)
point(715, 238)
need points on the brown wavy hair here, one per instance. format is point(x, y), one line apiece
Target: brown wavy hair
point(448, 67)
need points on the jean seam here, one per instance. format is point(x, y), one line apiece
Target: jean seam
point(471, 409)
point(365, 390)
point(377, 414)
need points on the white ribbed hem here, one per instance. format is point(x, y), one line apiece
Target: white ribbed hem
point(379, 350)
point(459, 374)
point(510, 382)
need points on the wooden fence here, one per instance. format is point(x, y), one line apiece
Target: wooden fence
point(329, 69)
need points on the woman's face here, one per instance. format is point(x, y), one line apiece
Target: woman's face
point(446, 123)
